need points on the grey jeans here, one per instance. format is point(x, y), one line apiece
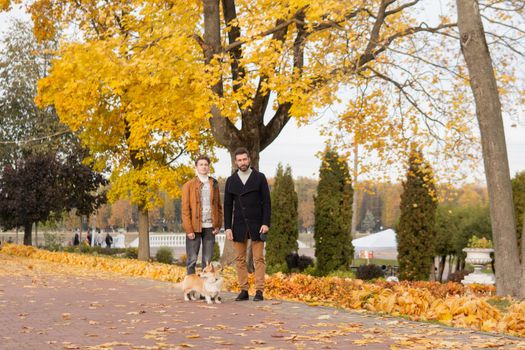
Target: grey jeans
point(193, 246)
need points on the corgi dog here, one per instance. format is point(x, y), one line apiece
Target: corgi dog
point(208, 284)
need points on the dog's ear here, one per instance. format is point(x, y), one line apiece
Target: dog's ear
point(218, 267)
point(212, 267)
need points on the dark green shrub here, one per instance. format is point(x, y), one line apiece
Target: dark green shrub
point(298, 262)
point(458, 276)
point(282, 267)
point(304, 261)
point(132, 253)
point(164, 255)
point(71, 249)
point(84, 248)
point(369, 272)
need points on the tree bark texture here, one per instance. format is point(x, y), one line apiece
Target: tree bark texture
point(488, 111)
point(143, 234)
point(355, 215)
point(28, 239)
point(441, 269)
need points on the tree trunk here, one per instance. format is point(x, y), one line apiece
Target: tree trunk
point(144, 252)
point(80, 231)
point(433, 270)
point(522, 260)
point(28, 227)
point(457, 264)
point(488, 111)
point(354, 199)
point(441, 269)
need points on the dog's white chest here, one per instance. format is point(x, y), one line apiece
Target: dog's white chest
point(213, 287)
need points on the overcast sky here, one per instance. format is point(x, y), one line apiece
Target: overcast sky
point(299, 146)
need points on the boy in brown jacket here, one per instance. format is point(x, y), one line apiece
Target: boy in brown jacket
point(201, 214)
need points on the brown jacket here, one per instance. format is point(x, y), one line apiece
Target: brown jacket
point(191, 205)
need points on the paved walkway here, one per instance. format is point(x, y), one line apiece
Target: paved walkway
point(45, 305)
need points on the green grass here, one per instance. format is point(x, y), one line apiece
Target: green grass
point(359, 262)
point(501, 304)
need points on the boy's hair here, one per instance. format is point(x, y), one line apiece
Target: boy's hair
point(202, 157)
point(241, 150)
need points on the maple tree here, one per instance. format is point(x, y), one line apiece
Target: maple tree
point(138, 108)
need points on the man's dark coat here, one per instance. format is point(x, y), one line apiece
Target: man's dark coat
point(247, 205)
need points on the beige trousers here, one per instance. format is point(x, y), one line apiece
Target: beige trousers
point(242, 266)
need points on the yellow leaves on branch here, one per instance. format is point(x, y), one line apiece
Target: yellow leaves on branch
point(5, 5)
point(142, 186)
point(138, 102)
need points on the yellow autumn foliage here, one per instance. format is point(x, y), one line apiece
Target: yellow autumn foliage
point(127, 267)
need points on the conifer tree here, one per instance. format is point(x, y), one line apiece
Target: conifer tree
point(518, 196)
point(416, 231)
point(333, 215)
point(282, 240)
point(369, 221)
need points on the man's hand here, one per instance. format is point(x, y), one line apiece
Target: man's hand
point(229, 234)
point(264, 229)
point(216, 230)
point(191, 235)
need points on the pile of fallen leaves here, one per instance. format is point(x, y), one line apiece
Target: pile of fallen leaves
point(449, 303)
point(128, 267)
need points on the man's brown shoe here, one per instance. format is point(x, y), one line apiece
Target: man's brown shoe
point(243, 295)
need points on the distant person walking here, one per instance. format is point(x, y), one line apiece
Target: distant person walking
point(76, 239)
point(247, 212)
point(109, 240)
point(201, 214)
point(99, 239)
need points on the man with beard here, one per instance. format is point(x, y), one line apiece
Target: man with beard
point(247, 212)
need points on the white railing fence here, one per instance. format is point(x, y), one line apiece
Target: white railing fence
point(174, 240)
point(179, 240)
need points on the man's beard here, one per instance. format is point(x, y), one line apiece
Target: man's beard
point(244, 167)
